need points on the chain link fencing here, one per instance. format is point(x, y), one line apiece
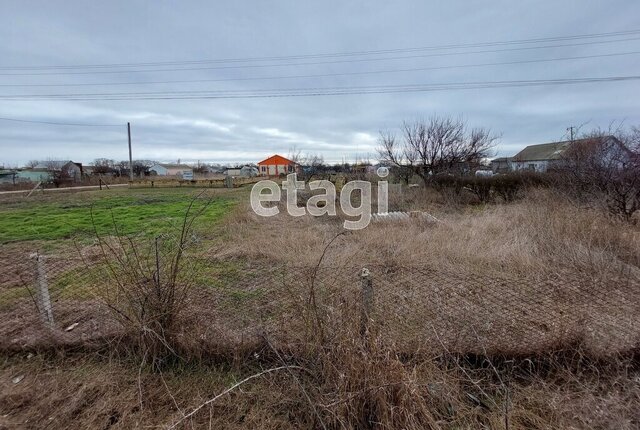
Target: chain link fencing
point(74, 301)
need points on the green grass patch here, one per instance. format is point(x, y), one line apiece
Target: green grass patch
point(130, 212)
point(207, 274)
point(224, 276)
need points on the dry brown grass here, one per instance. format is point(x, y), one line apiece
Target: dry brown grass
point(541, 234)
point(519, 316)
point(357, 390)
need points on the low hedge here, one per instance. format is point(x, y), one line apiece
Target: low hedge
point(506, 186)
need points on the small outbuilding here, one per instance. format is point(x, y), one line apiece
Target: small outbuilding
point(501, 165)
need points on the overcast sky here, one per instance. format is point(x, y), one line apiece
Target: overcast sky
point(340, 127)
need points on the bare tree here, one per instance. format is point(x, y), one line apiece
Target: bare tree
point(31, 164)
point(313, 163)
point(121, 168)
point(313, 160)
point(631, 138)
point(103, 166)
point(603, 169)
point(58, 174)
point(142, 167)
point(198, 167)
point(295, 155)
point(439, 145)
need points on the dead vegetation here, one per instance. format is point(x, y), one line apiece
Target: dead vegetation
point(357, 389)
point(147, 287)
point(543, 233)
point(456, 339)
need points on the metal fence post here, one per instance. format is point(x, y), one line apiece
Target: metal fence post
point(42, 291)
point(366, 285)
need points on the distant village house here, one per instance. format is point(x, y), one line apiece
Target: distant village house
point(547, 156)
point(539, 158)
point(60, 170)
point(278, 165)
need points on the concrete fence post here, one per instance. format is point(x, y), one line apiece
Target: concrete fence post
point(228, 181)
point(42, 291)
point(366, 286)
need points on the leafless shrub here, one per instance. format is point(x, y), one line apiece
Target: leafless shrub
point(146, 284)
point(600, 168)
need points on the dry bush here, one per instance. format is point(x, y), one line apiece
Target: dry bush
point(600, 169)
point(367, 386)
point(146, 285)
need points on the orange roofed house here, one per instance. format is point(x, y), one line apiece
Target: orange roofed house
point(277, 165)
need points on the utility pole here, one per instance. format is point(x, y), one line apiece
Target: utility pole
point(130, 158)
point(570, 130)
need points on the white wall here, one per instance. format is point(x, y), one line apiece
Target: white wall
point(161, 171)
point(274, 170)
point(537, 166)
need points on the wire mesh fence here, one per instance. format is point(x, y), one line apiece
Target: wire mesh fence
point(76, 301)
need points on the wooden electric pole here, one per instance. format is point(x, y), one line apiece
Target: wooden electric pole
point(130, 158)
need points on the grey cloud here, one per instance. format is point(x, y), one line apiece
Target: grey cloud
point(338, 127)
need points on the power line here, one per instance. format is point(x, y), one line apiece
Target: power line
point(60, 123)
point(337, 54)
point(322, 75)
point(327, 91)
point(359, 60)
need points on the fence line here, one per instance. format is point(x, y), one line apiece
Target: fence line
point(231, 304)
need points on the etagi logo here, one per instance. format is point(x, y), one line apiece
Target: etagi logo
point(324, 203)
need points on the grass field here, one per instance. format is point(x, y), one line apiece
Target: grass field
point(80, 215)
point(521, 313)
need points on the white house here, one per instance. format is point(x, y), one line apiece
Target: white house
point(164, 169)
point(541, 158)
point(278, 165)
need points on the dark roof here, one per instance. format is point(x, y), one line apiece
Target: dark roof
point(554, 150)
point(55, 164)
point(545, 151)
